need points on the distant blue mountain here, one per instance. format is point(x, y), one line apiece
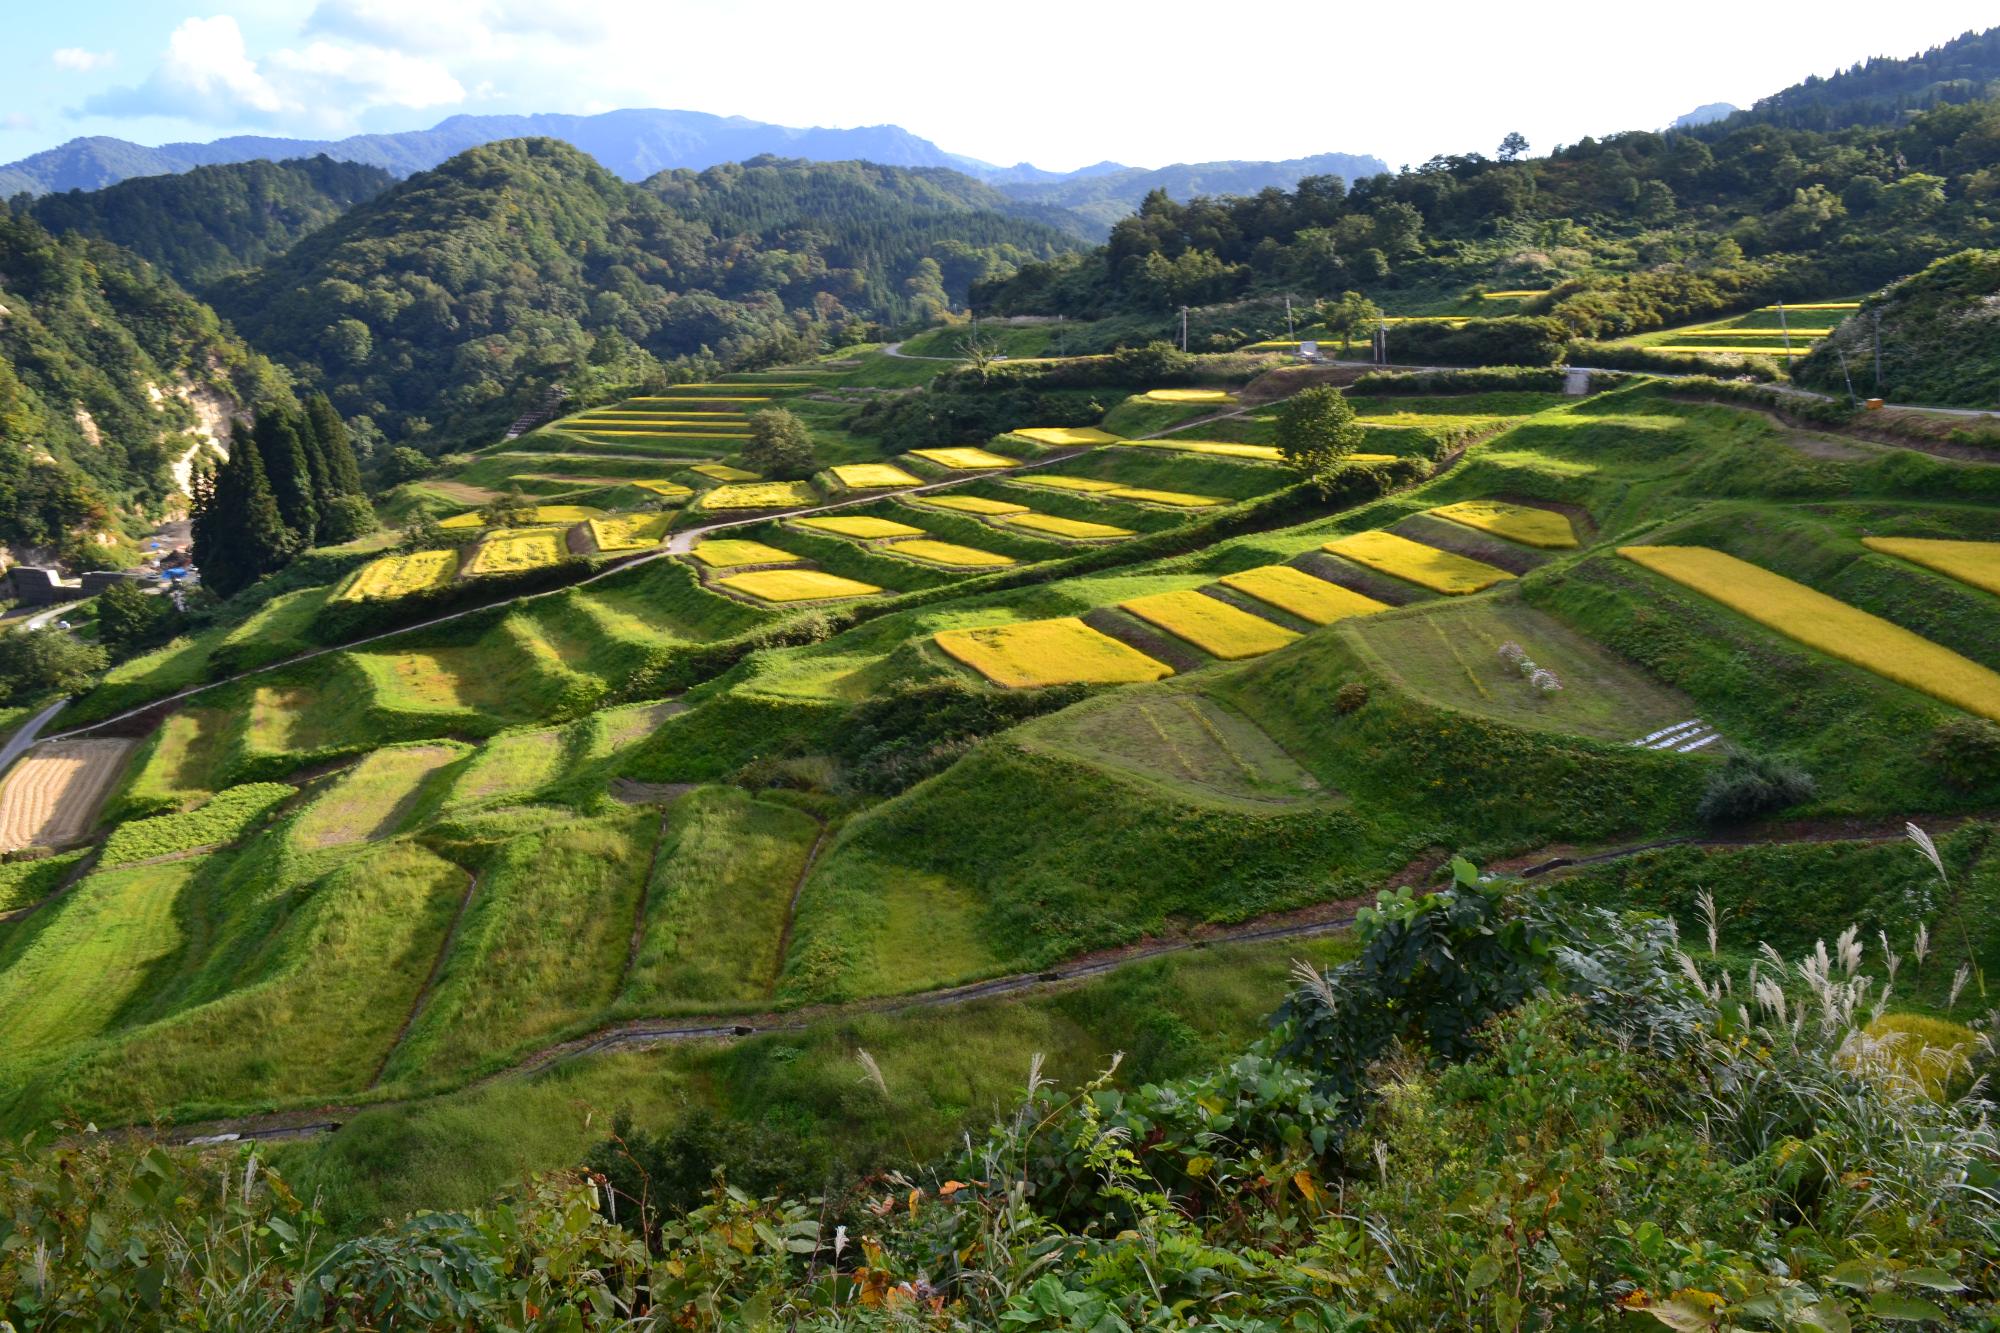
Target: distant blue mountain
point(636, 144)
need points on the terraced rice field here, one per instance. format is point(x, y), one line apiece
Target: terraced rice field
point(542, 514)
point(723, 472)
point(1074, 529)
point(760, 495)
point(1517, 523)
point(52, 794)
point(400, 575)
point(372, 799)
point(1180, 740)
point(1974, 563)
point(630, 532)
point(668, 490)
point(1212, 625)
point(1172, 499)
point(509, 765)
point(796, 585)
point(873, 476)
point(1217, 396)
point(1066, 437)
point(665, 433)
point(1413, 562)
point(966, 459)
point(1318, 600)
point(514, 549)
point(1087, 485)
point(949, 555)
point(975, 504)
point(1833, 627)
point(735, 552)
point(859, 526)
point(1035, 653)
point(1261, 453)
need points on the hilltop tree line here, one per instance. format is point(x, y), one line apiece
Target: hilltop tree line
point(1626, 233)
point(291, 482)
point(429, 308)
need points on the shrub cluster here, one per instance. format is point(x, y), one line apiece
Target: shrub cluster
point(1619, 356)
point(1512, 340)
point(1484, 379)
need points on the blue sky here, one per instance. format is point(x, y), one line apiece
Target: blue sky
point(1061, 85)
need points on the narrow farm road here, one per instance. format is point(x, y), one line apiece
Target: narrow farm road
point(25, 735)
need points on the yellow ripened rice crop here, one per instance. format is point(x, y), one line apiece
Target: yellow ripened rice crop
point(1831, 626)
point(400, 575)
point(1086, 484)
point(1262, 453)
point(975, 504)
point(630, 532)
point(1173, 499)
point(1426, 566)
point(723, 472)
point(873, 476)
point(670, 490)
point(1212, 625)
point(541, 514)
point(1066, 437)
point(1318, 600)
point(1187, 396)
point(1072, 528)
point(950, 555)
point(513, 549)
point(796, 585)
point(1517, 523)
point(732, 552)
point(1035, 653)
point(860, 525)
point(760, 495)
point(1974, 563)
point(966, 459)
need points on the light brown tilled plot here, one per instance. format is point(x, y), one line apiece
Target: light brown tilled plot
point(52, 795)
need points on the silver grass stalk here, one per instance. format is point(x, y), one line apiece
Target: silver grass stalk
point(1711, 920)
point(870, 1071)
point(1312, 979)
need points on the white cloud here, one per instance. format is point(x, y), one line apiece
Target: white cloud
point(207, 75)
point(17, 120)
point(80, 61)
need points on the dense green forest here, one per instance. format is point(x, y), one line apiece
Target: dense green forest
point(100, 354)
point(1881, 90)
point(1933, 337)
point(429, 307)
point(212, 221)
point(1627, 233)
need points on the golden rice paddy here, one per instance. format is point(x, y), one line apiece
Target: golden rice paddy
point(1210, 624)
point(1174, 499)
point(1831, 626)
point(1188, 396)
point(1414, 562)
point(1262, 453)
point(966, 458)
point(873, 476)
point(950, 555)
point(760, 495)
point(1974, 563)
point(1066, 437)
point(630, 532)
point(974, 504)
point(511, 549)
point(796, 585)
point(1318, 600)
point(540, 514)
point(400, 575)
point(860, 526)
point(733, 552)
point(1085, 484)
point(1517, 523)
point(723, 472)
point(1072, 528)
point(1038, 653)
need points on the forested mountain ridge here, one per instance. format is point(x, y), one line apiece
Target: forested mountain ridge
point(214, 220)
point(1101, 196)
point(437, 303)
point(1628, 232)
point(1882, 90)
point(106, 369)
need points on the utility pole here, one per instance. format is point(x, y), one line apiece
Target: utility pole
point(1291, 334)
point(1786, 329)
point(1852, 401)
point(1878, 351)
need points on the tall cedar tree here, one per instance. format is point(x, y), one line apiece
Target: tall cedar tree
point(342, 470)
point(238, 533)
point(288, 472)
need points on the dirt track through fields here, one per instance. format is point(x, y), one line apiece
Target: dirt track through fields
point(51, 797)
